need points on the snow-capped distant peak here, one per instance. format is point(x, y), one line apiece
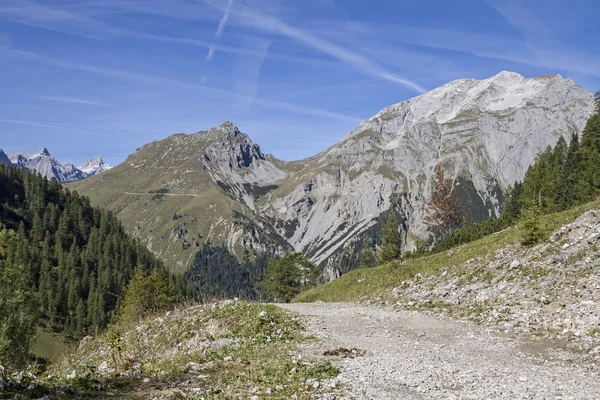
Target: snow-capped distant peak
point(94, 166)
point(49, 167)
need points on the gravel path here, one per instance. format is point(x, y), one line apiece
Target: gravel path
point(412, 356)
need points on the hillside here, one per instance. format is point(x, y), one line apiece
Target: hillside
point(221, 350)
point(548, 290)
point(217, 186)
point(67, 261)
point(188, 190)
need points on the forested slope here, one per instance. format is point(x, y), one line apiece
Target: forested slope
point(72, 261)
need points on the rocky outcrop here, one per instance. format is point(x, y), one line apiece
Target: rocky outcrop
point(4, 158)
point(485, 133)
point(238, 165)
point(550, 290)
point(93, 166)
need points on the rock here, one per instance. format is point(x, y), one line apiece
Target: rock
point(228, 358)
point(194, 366)
point(103, 366)
point(592, 239)
point(84, 341)
point(514, 264)
point(567, 323)
point(529, 304)
point(263, 314)
point(222, 342)
point(482, 298)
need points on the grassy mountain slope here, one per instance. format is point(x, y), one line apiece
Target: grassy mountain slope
point(166, 196)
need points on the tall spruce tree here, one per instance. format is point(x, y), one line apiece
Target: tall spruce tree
point(18, 303)
point(391, 242)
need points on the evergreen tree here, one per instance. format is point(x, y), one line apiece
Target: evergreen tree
point(590, 159)
point(79, 258)
point(147, 294)
point(391, 242)
point(366, 256)
point(567, 192)
point(18, 305)
point(533, 233)
point(287, 276)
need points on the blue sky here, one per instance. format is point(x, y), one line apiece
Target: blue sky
point(103, 77)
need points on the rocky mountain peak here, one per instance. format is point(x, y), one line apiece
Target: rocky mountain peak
point(229, 129)
point(94, 165)
point(4, 158)
point(484, 133)
point(43, 152)
point(44, 163)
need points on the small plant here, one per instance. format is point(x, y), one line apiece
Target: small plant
point(533, 233)
point(117, 346)
point(594, 332)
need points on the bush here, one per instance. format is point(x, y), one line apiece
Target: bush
point(533, 232)
point(147, 294)
point(287, 276)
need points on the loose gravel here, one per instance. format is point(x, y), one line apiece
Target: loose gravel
point(413, 356)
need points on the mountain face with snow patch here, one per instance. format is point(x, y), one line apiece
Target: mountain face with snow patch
point(49, 167)
point(484, 133)
point(93, 166)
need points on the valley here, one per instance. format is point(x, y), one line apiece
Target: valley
point(416, 254)
point(299, 200)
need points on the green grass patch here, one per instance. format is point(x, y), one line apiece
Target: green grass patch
point(52, 346)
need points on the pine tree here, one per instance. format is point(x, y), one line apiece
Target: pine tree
point(366, 256)
point(590, 158)
point(287, 276)
point(567, 192)
point(391, 242)
point(18, 306)
point(533, 233)
point(146, 294)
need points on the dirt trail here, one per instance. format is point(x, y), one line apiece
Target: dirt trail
point(413, 356)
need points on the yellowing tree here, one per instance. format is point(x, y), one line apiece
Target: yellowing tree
point(445, 212)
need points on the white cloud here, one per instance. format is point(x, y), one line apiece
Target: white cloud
point(220, 29)
point(268, 24)
point(73, 100)
point(58, 127)
point(35, 15)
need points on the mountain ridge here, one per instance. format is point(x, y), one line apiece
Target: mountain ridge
point(44, 163)
point(484, 133)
